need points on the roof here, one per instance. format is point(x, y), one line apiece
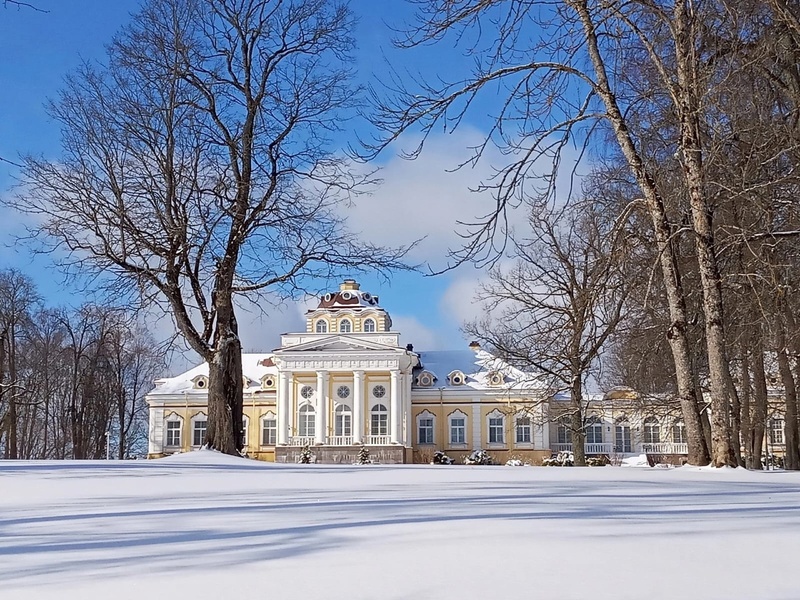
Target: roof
point(254, 367)
point(476, 366)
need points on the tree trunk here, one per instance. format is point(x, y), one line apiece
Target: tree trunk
point(746, 420)
point(225, 394)
point(759, 401)
point(577, 424)
point(677, 336)
point(691, 149)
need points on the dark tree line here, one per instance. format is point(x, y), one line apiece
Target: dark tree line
point(72, 381)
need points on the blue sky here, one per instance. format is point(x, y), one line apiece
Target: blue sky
point(38, 49)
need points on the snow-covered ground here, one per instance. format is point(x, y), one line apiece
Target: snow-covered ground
point(203, 525)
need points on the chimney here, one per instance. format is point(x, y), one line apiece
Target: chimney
point(474, 346)
point(410, 347)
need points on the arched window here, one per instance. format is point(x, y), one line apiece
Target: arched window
point(652, 431)
point(343, 419)
point(679, 432)
point(622, 435)
point(269, 430)
point(369, 325)
point(307, 421)
point(425, 428)
point(345, 326)
point(322, 326)
point(379, 421)
point(594, 430)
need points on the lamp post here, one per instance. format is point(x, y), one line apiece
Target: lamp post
point(108, 445)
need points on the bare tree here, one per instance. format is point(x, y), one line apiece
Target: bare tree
point(556, 308)
point(197, 167)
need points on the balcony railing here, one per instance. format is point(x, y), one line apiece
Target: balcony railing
point(666, 448)
point(340, 440)
point(378, 440)
point(587, 448)
point(302, 440)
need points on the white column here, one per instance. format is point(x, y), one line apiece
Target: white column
point(321, 424)
point(358, 406)
point(283, 406)
point(395, 408)
point(156, 441)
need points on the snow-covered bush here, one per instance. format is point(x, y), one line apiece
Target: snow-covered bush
point(440, 458)
point(363, 456)
point(597, 461)
point(514, 462)
point(478, 457)
point(562, 459)
point(305, 455)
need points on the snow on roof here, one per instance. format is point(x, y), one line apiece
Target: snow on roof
point(476, 366)
point(254, 367)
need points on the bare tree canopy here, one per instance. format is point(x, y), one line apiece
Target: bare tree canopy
point(198, 165)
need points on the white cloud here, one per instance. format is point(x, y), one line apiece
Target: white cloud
point(412, 331)
point(426, 198)
point(458, 303)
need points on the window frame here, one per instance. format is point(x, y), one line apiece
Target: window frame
point(321, 326)
point(272, 418)
point(523, 424)
point(451, 427)
point(199, 418)
point(342, 421)
point(493, 428)
point(379, 414)
point(349, 324)
point(366, 328)
point(651, 431)
point(306, 420)
point(178, 429)
point(594, 425)
point(429, 438)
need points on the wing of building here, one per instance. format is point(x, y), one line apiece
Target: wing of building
point(346, 382)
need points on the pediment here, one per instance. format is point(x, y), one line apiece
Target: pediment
point(338, 343)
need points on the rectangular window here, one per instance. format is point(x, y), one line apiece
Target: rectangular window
point(425, 433)
point(679, 433)
point(776, 431)
point(199, 432)
point(458, 430)
point(496, 430)
point(173, 433)
point(269, 432)
point(379, 424)
point(524, 430)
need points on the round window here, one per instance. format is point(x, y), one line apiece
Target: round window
point(327, 297)
point(343, 391)
point(306, 391)
point(379, 391)
point(201, 383)
point(346, 295)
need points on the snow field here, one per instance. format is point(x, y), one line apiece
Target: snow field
point(202, 525)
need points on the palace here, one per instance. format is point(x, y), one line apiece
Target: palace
point(346, 382)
